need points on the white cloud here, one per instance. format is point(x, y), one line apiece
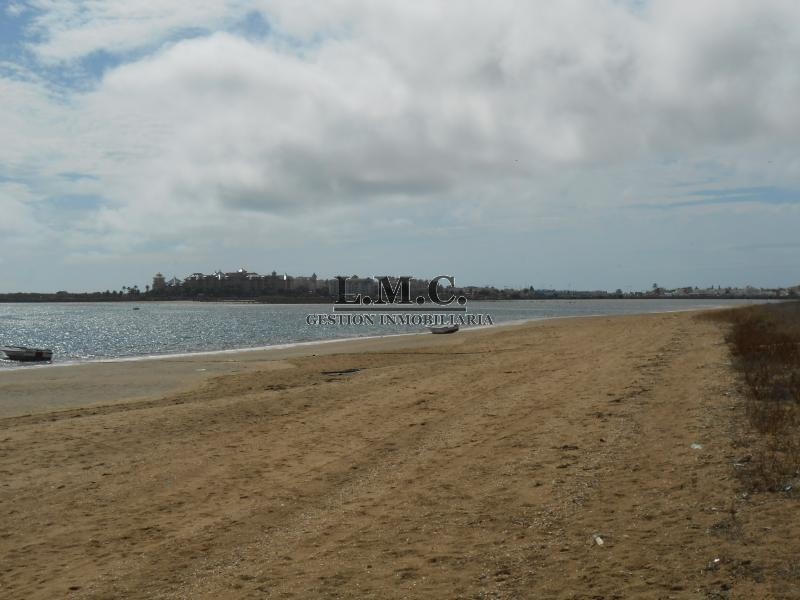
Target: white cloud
point(14, 9)
point(75, 29)
point(531, 108)
point(18, 222)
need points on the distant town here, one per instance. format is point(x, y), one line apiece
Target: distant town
point(244, 285)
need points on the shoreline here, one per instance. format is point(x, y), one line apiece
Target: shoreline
point(39, 389)
point(14, 367)
point(42, 389)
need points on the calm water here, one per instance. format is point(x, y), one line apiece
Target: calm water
point(95, 331)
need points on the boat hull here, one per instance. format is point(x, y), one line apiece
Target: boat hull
point(440, 330)
point(28, 354)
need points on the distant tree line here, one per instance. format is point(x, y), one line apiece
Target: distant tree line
point(323, 294)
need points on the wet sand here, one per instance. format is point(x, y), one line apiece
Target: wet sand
point(478, 465)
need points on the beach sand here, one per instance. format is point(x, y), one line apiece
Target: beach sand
point(547, 460)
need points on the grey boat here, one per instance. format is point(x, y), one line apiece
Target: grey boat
point(23, 354)
point(445, 329)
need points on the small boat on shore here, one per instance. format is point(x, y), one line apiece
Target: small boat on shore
point(23, 354)
point(444, 329)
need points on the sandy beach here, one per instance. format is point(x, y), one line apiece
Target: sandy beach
point(548, 460)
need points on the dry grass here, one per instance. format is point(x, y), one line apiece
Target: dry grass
point(765, 341)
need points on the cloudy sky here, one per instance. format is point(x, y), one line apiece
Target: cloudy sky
point(593, 144)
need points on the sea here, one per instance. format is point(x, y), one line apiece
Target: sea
point(80, 332)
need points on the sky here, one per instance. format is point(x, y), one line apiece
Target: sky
point(575, 144)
